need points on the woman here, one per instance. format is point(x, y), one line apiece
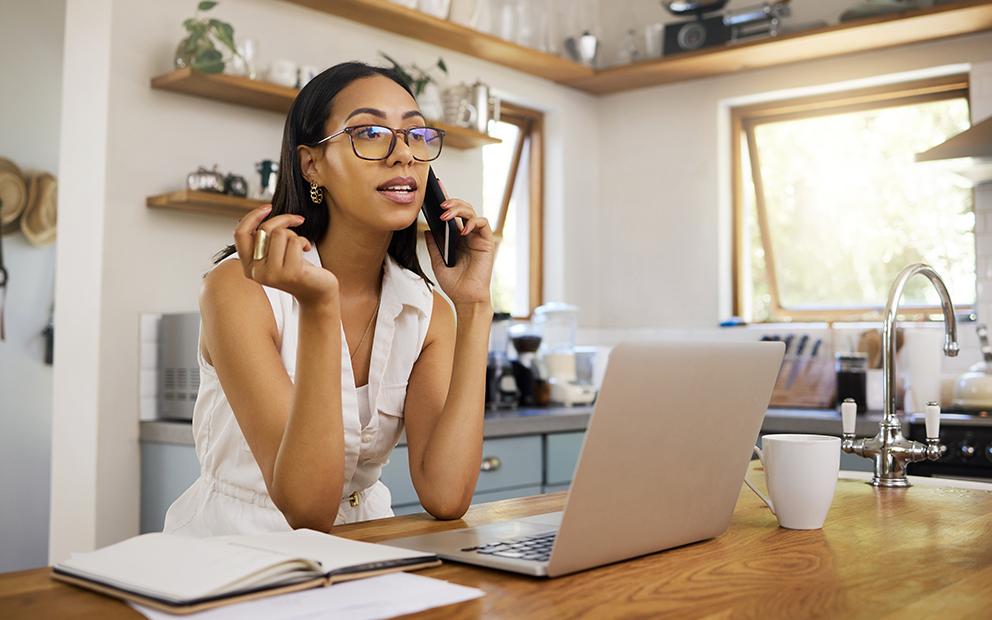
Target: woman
point(324, 339)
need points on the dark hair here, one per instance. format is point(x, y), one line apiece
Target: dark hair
point(305, 125)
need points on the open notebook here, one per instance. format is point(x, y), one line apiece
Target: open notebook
point(661, 465)
point(180, 574)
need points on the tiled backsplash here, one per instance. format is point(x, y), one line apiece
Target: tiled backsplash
point(148, 375)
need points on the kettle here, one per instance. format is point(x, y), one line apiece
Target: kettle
point(973, 389)
point(204, 180)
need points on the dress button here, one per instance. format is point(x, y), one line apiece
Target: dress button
point(366, 438)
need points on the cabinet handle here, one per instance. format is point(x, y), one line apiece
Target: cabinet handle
point(491, 463)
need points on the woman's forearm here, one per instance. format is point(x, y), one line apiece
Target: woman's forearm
point(308, 474)
point(453, 455)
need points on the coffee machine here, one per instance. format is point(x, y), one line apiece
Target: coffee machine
point(501, 384)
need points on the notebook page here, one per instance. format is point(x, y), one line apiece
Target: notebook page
point(179, 568)
point(333, 552)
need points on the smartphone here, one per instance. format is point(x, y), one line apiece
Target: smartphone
point(445, 234)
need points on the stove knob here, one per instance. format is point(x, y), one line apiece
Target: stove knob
point(988, 452)
point(966, 450)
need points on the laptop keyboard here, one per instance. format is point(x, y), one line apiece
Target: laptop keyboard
point(536, 548)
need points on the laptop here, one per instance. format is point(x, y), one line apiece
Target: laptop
point(661, 465)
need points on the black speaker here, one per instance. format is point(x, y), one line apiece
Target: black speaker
point(695, 34)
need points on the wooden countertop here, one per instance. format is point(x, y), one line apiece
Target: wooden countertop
point(883, 553)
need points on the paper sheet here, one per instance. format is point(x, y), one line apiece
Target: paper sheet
point(374, 598)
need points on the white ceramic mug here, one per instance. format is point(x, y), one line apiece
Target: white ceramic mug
point(283, 73)
point(801, 477)
point(307, 73)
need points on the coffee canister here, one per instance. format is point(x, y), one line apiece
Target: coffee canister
point(852, 378)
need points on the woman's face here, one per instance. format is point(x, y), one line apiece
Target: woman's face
point(384, 194)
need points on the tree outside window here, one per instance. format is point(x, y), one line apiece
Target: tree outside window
point(840, 206)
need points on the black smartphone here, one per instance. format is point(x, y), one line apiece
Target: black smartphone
point(445, 234)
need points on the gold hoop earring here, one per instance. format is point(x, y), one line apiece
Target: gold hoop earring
point(316, 194)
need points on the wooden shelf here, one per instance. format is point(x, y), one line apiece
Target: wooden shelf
point(274, 98)
point(462, 138)
point(204, 202)
point(398, 19)
point(914, 26)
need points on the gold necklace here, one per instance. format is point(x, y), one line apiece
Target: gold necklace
point(369, 326)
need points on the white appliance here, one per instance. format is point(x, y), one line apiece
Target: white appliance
point(178, 370)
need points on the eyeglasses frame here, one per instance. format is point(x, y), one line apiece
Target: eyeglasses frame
point(392, 144)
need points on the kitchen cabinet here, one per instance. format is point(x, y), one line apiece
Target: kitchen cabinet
point(167, 470)
point(561, 453)
point(262, 96)
point(511, 467)
point(913, 26)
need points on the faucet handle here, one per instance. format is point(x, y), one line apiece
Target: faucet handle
point(933, 420)
point(848, 415)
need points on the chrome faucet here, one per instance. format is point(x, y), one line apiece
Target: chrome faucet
point(889, 448)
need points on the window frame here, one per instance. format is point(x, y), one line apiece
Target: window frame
point(530, 122)
point(744, 119)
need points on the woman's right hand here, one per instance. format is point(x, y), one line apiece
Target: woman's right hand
point(283, 266)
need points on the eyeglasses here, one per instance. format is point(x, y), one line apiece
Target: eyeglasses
point(375, 142)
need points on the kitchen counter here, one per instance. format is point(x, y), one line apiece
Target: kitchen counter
point(512, 423)
point(537, 421)
point(882, 553)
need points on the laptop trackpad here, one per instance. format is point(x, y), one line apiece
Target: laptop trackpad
point(551, 518)
point(505, 530)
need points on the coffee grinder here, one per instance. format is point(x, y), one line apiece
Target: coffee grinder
point(501, 385)
point(526, 339)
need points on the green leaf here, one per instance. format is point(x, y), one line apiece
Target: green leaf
point(209, 61)
point(225, 34)
point(395, 64)
point(197, 30)
point(441, 65)
point(206, 5)
point(209, 55)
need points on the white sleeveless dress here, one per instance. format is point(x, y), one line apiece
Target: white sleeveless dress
point(230, 496)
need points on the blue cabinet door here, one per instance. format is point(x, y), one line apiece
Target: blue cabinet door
point(510, 465)
point(167, 470)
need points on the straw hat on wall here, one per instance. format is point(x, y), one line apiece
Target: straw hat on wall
point(13, 195)
point(39, 217)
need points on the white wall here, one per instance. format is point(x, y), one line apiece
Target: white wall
point(29, 135)
point(125, 141)
point(664, 169)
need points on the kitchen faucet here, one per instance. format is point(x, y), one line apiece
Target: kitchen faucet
point(889, 448)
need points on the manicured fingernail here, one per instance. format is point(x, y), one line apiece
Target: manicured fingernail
point(267, 208)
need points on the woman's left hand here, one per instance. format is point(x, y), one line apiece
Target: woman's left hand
point(469, 280)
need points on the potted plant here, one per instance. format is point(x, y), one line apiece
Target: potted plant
point(414, 76)
point(425, 88)
point(198, 50)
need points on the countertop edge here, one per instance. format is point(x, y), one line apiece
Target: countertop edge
point(497, 424)
point(571, 419)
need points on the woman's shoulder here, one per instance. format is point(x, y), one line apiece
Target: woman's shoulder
point(406, 287)
point(227, 289)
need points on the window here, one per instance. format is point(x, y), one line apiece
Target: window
point(830, 205)
point(513, 190)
